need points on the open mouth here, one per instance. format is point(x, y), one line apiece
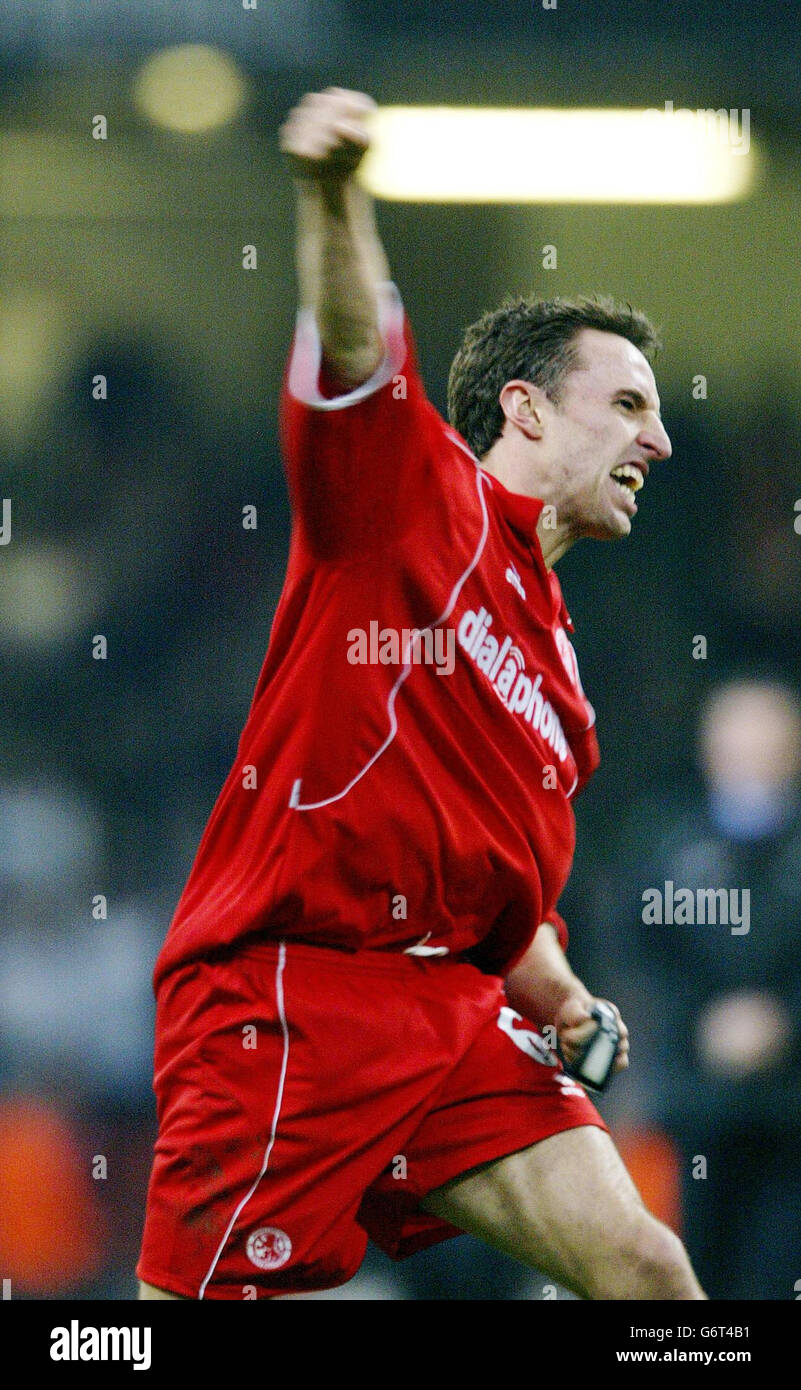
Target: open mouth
point(628, 477)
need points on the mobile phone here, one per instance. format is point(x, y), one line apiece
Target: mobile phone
point(593, 1066)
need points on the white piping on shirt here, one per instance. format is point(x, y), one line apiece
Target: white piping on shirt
point(294, 800)
point(279, 998)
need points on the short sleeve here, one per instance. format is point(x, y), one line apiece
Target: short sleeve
point(561, 928)
point(356, 460)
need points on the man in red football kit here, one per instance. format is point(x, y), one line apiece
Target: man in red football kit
point(350, 991)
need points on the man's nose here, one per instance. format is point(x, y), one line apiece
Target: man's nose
point(655, 438)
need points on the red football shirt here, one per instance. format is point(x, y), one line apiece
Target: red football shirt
point(418, 729)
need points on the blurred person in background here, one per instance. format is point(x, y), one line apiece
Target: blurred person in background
point(717, 1003)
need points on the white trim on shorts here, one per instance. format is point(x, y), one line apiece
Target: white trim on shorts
point(279, 997)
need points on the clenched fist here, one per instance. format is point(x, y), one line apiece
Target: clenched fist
point(574, 1026)
point(326, 134)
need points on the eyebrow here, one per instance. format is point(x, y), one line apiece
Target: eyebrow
point(638, 398)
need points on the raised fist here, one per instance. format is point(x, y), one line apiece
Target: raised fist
point(325, 136)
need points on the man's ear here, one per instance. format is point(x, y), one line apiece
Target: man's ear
point(521, 404)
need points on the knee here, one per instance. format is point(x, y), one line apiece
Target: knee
point(664, 1266)
point(647, 1262)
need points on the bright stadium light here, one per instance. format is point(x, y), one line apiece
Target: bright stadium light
point(192, 88)
point(541, 155)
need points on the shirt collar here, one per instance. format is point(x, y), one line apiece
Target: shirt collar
point(522, 514)
point(520, 511)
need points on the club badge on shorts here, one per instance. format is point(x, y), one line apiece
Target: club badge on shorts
point(268, 1248)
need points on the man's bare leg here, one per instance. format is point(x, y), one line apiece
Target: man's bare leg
point(150, 1291)
point(567, 1207)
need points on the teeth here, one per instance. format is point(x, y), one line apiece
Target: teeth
point(632, 475)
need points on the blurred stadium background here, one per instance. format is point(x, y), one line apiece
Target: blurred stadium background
point(123, 257)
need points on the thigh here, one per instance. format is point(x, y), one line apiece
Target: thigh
point(559, 1205)
point(149, 1291)
point(507, 1093)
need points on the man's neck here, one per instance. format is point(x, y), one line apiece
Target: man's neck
point(554, 539)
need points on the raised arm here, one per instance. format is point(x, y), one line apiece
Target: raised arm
point(340, 259)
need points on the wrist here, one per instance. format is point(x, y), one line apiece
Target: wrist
point(542, 995)
point(332, 192)
point(556, 994)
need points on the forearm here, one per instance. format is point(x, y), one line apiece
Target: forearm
point(340, 261)
point(543, 981)
point(544, 989)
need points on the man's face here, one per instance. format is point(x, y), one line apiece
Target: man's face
point(607, 416)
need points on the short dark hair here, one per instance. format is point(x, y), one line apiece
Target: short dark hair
point(534, 340)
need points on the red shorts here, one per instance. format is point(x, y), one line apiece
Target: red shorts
point(308, 1098)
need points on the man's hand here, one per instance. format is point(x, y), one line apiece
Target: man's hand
point(574, 1026)
point(326, 135)
point(542, 987)
point(339, 255)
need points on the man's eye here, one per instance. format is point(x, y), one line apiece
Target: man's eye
point(627, 401)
